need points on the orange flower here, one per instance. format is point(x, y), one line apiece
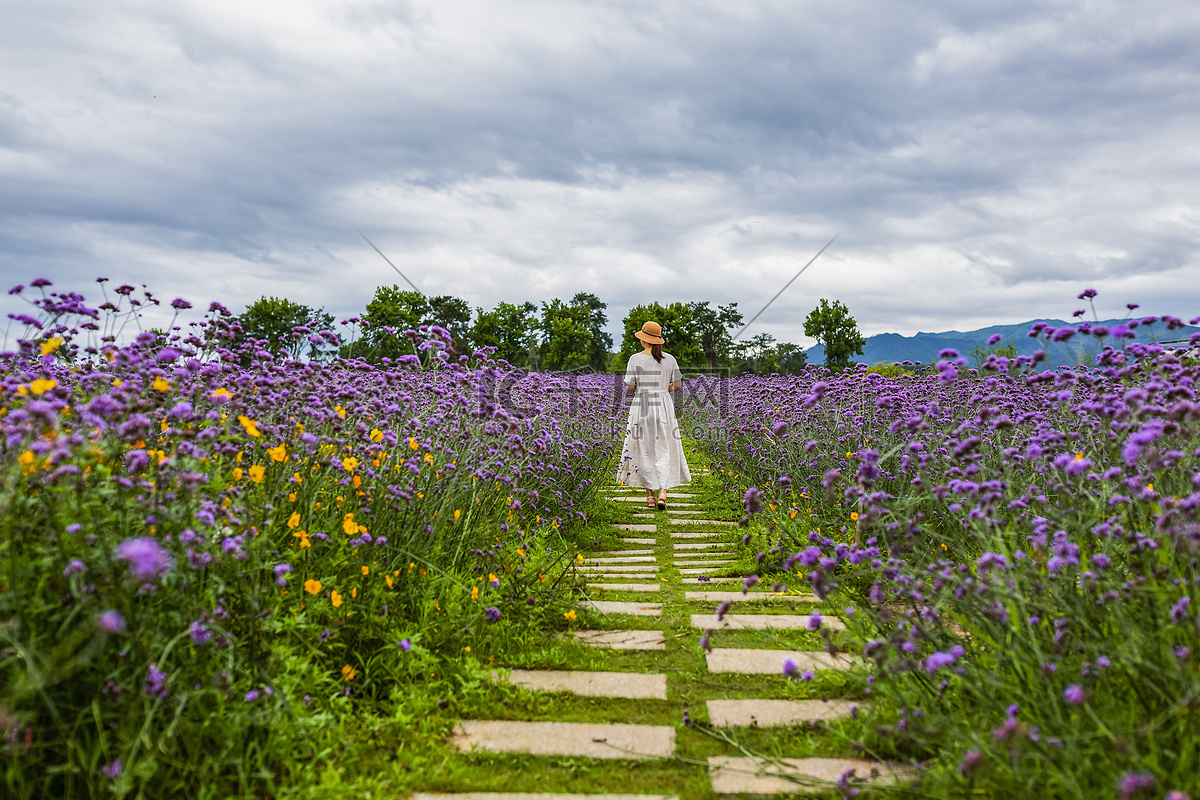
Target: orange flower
point(256, 473)
point(278, 453)
point(348, 673)
point(294, 520)
point(311, 586)
point(349, 525)
point(336, 598)
point(349, 463)
point(250, 425)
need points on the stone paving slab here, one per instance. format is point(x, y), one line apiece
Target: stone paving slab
point(768, 713)
point(702, 555)
point(625, 607)
point(613, 559)
point(629, 552)
point(697, 545)
point(719, 596)
point(638, 541)
point(630, 685)
point(698, 535)
point(636, 526)
point(701, 522)
point(532, 796)
point(624, 640)
point(619, 568)
point(605, 575)
point(713, 567)
point(770, 662)
point(741, 775)
point(761, 621)
point(628, 587)
point(683, 512)
point(588, 740)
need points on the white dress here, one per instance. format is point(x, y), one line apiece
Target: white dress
point(652, 456)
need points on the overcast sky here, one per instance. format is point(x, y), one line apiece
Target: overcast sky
point(986, 160)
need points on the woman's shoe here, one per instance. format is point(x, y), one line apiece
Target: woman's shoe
point(662, 502)
point(650, 501)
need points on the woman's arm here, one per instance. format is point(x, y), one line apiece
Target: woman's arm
point(675, 386)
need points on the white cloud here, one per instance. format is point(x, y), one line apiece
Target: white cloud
point(987, 160)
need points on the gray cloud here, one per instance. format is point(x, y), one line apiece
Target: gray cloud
point(988, 160)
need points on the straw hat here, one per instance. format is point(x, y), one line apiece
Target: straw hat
point(651, 333)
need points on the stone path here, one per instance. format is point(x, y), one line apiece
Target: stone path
point(664, 555)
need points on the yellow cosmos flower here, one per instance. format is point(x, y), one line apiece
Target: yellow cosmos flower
point(278, 453)
point(50, 345)
point(311, 586)
point(377, 435)
point(854, 516)
point(412, 443)
point(256, 473)
point(388, 578)
point(294, 520)
point(570, 614)
point(349, 525)
point(349, 463)
point(42, 385)
point(579, 558)
point(348, 673)
point(366, 570)
point(354, 592)
point(250, 425)
point(221, 394)
point(341, 412)
point(336, 598)
point(291, 497)
point(238, 472)
point(457, 514)
point(474, 592)
point(161, 384)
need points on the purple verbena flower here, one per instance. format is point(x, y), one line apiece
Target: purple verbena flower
point(147, 559)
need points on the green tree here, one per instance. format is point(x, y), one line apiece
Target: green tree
point(566, 336)
point(712, 326)
point(678, 328)
point(454, 315)
point(599, 340)
point(832, 326)
point(274, 318)
point(511, 329)
point(390, 313)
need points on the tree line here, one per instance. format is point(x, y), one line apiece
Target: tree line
point(555, 335)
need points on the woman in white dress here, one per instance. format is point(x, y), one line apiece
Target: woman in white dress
point(652, 456)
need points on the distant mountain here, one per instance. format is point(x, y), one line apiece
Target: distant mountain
point(924, 347)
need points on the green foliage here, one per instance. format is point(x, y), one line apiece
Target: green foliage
point(599, 342)
point(454, 315)
point(832, 326)
point(761, 355)
point(711, 326)
point(566, 336)
point(511, 329)
point(273, 318)
point(572, 334)
point(889, 370)
point(393, 310)
point(980, 353)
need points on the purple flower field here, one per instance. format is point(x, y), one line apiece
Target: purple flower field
point(1016, 552)
point(198, 534)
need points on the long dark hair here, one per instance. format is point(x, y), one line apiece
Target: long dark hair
point(656, 351)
